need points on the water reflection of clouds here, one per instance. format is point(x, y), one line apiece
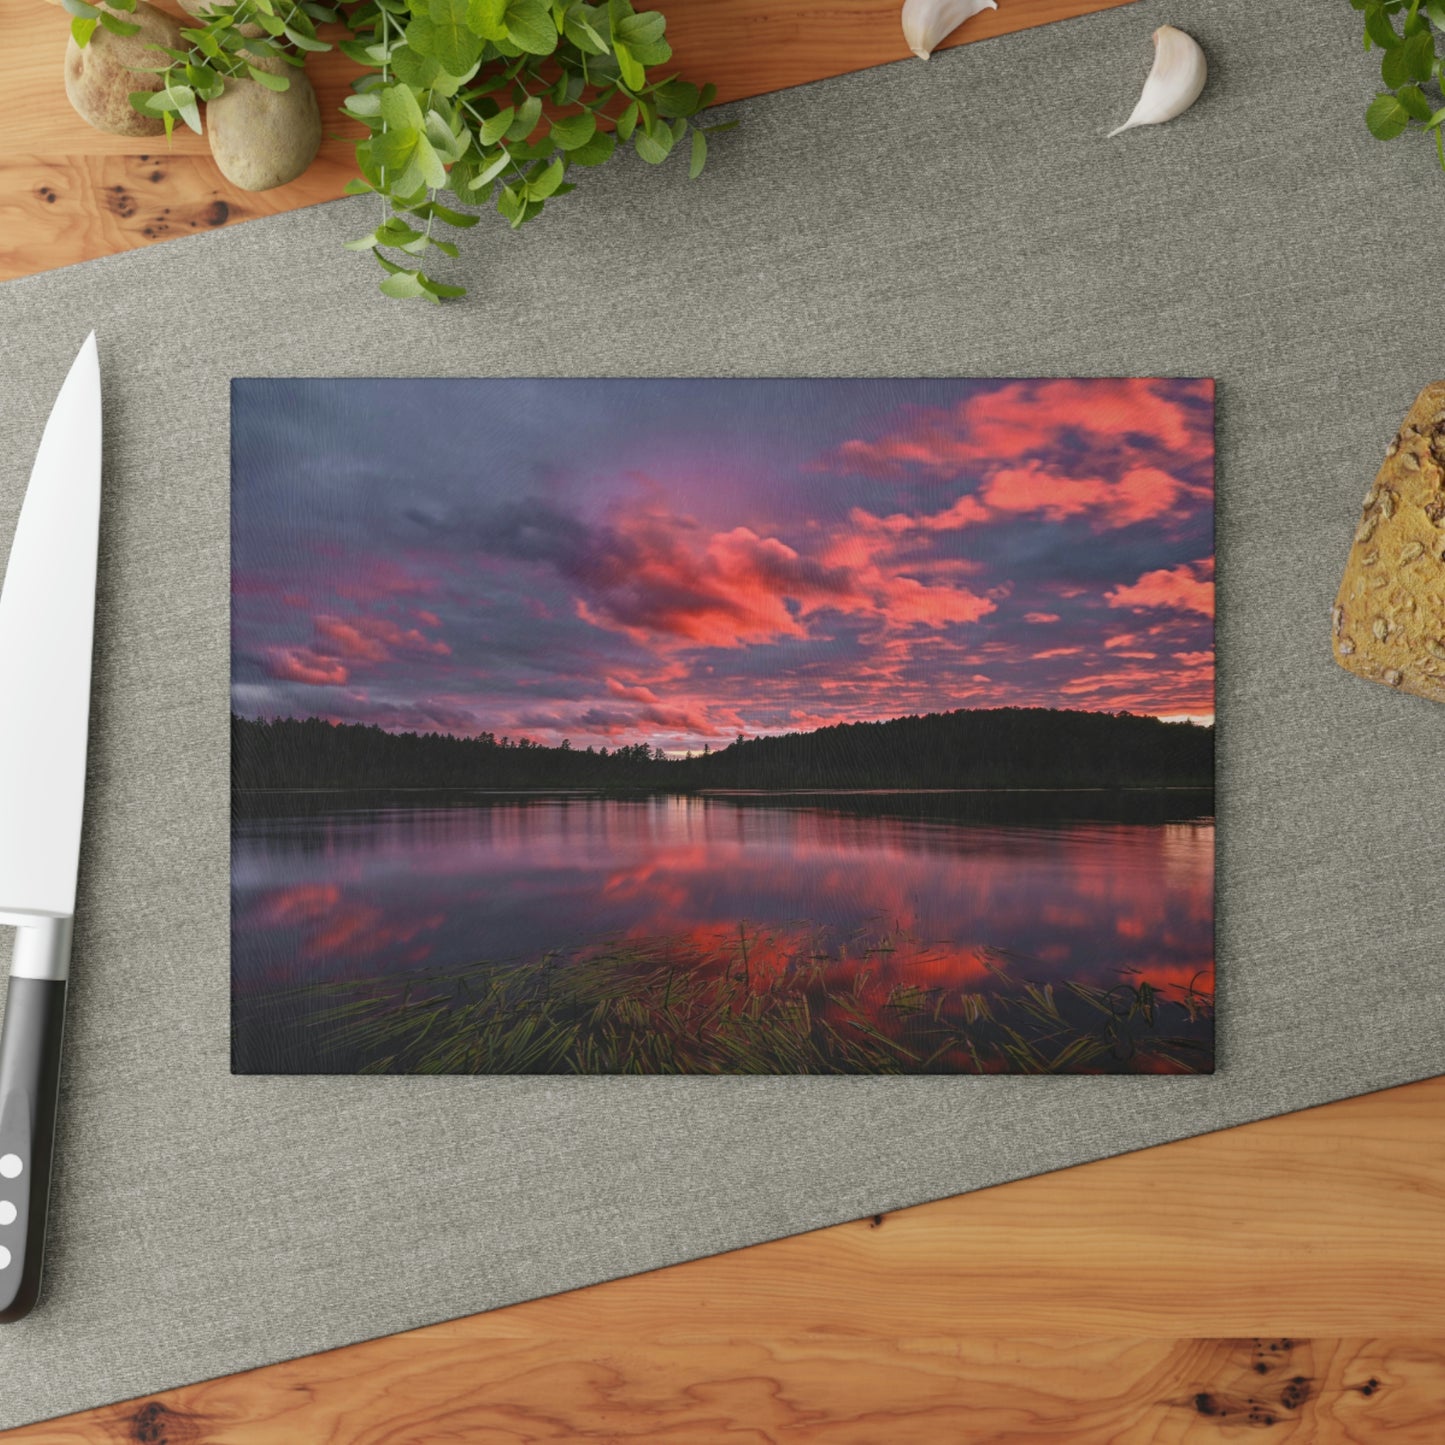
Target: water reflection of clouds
point(389, 890)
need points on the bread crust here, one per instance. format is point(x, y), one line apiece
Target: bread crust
point(1388, 623)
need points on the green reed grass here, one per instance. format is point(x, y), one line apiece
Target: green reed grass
point(816, 1007)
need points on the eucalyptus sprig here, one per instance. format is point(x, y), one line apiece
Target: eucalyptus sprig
point(484, 101)
point(84, 18)
point(227, 45)
point(1408, 65)
point(498, 100)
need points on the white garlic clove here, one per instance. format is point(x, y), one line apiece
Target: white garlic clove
point(926, 22)
point(1174, 82)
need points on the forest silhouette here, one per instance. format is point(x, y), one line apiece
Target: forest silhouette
point(969, 748)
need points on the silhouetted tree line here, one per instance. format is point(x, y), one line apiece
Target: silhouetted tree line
point(992, 748)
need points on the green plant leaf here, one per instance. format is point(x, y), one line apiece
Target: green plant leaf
point(653, 52)
point(393, 147)
point(82, 10)
point(530, 26)
point(641, 29)
point(403, 286)
point(303, 41)
point(82, 28)
point(699, 155)
point(495, 127)
point(528, 114)
point(492, 171)
point(581, 32)
point(1412, 59)
point(183, 101)
point(362, 107)
point(446, 33)
point(596, 151)
point(439, 288)
point(396, 232)
point(571, 132)
point(634, 77)
point(627, 122)
point(460, 219)
point(399, 109)
point(510, 205)
point(488, 18)
point(204, 81)
point(1379, 28)
point(1413, 101)
point(547, 182)
point(433, 172)
point(653, 146)
point(117, 26)
point(362, 53)
point(271, 82)
point(677, 97)
point(1386, 117)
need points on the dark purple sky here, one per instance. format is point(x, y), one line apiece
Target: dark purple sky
point(679, 561)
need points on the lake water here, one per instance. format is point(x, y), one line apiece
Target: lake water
point(930, 887)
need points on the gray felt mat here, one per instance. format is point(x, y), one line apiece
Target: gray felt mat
point(961, 218)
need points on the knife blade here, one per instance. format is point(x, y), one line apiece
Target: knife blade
point(47, 620)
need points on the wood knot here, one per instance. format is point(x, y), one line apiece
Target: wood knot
point(153, 1424)
point(1295, 1393)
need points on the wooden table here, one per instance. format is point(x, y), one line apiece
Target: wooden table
point(1287, 1276)
point(68, 193)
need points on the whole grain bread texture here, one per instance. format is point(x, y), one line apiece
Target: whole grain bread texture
point(1388, 623)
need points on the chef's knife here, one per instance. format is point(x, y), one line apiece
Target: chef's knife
point(47, 618)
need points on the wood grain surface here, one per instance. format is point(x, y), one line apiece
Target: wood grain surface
point(1287, 1277)
point(69, 193)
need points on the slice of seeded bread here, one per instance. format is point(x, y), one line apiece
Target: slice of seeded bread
point(1389, 617)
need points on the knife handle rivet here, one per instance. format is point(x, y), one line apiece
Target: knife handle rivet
point(7, 1212)
point(10, 1166)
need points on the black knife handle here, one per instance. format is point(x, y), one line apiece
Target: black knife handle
point(29, 1085)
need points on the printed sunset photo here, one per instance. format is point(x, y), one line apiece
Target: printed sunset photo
point(767, 726)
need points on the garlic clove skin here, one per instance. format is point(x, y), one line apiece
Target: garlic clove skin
point(926, 22)
point(1174, 82)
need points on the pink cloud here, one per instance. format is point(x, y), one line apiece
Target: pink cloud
point(1174, 589)
point(1140, 494)
point(630, 694)
point(1026, 418)
point(673, 586)
point(372, 639)
point(301, 664)
point(1041, 617)
point(372, 578)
